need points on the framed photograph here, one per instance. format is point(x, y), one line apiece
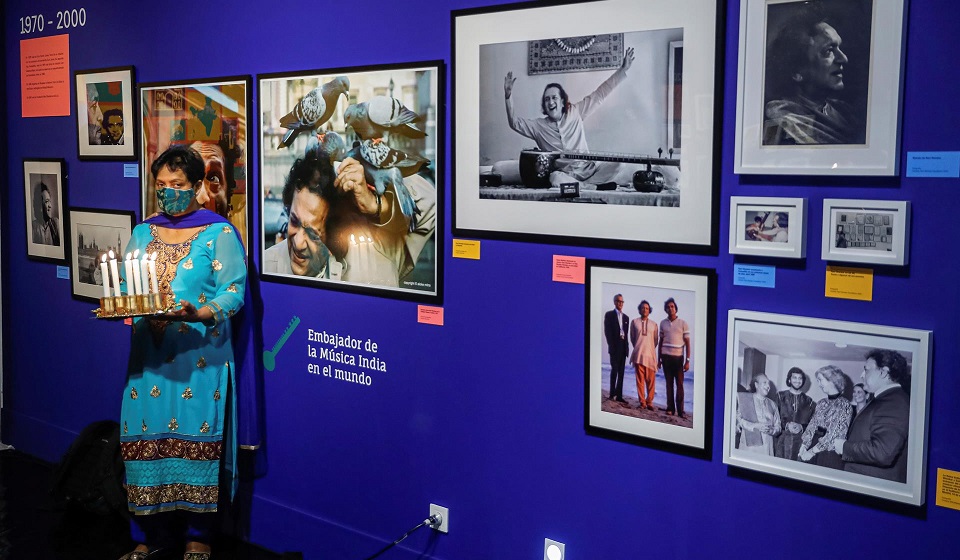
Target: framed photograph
point(210, 116)
point(866, 231)
point(350, 191)
point(820, 87)
point(649, 339)
point(569, 120)
point(768, 227)
point(93, 234)
point(44, 186)
point(106, 114)
point(833, 403)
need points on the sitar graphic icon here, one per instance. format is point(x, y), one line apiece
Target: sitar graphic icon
point(270, 356)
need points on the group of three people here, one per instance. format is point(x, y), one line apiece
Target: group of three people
point(866, 436)
point(666, 346)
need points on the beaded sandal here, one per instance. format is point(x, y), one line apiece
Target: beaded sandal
point(196, 556)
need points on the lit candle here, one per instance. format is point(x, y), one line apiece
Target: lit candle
point(135, 264)
point(153, 273)
point(104, 276)
point(115, 274)
point(128, 273)
point(144, 275)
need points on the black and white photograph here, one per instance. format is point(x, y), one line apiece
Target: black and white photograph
point(349, 179)
point(44, 182)
point(829, 402)
point(767, 226)
point(93, 234)
point(599, 109)
point(866, 231)
point(106, 115)
point(647, 367)
point(816, 72)
point(820, 84)
point(601, 131)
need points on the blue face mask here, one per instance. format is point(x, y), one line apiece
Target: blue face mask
point(174, 201)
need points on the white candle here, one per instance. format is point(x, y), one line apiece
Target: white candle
point(144, 275)
point(153, 273)
point(135, 264)
point(128, 273)
point(115, 274)
point(104, 277)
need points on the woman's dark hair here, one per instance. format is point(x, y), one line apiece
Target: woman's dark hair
point(178, 158)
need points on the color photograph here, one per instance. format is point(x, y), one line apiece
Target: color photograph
point(349, 179)
point(768, 226)
point(105, 114)
point(211, 117)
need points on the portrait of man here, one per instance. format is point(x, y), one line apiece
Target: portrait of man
point(112, 133)
point(46, 225)
point(816, 71)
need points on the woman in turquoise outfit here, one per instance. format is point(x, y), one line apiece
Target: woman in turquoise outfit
point(177, 427)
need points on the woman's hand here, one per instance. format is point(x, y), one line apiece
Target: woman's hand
point(188, 313)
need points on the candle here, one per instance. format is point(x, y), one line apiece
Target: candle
point(104, 277)
point(153, 273)
point(115, 274)
point(128, 272)
point(144, 275)
point(135, 265)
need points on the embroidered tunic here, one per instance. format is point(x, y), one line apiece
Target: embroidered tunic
point(179, 376)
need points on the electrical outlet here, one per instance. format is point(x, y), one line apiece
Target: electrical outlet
point(444, 525)
point(553, 550)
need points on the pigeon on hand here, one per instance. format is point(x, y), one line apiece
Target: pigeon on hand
point(381, 155)
point(379, 179)
point(313, 110)
point(371, 119)
point(328, 145)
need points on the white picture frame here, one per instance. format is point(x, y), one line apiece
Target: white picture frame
point(93, 233)
point(773, 345)
point(866, 231)
point(768, 227)
point(632, 120)
point(870, 98)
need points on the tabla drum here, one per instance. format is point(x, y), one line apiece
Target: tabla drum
point(535, 168)
point(648, 181)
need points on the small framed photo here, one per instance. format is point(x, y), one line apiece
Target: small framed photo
point(649, 338)
point(632, 86)
point(210, 116)
point(93, 234)
point(384, 238)
point(837, 404)
point(820, 87)
point(768, 227)
point(44, 186)
point(866, 231)
point(106, 114)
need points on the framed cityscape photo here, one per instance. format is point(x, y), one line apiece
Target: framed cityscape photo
point(106, 114)
point(590, 123)
point(649, 340)
point(350, 179)
point(44, 186)
point(211, 116)
point(93, 234)
point(768, 227)
point(819, 87)
point(866, 231)
point(833, 403)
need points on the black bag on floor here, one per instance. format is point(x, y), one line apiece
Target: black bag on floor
point(90, 475)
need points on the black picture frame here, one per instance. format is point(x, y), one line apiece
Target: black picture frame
point(419, 86)
point(106, 94)
point(693, 291)
point(497, 196)
point(45, 175)
point(91, 235)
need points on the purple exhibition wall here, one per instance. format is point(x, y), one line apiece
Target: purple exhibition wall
point(485, 414)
